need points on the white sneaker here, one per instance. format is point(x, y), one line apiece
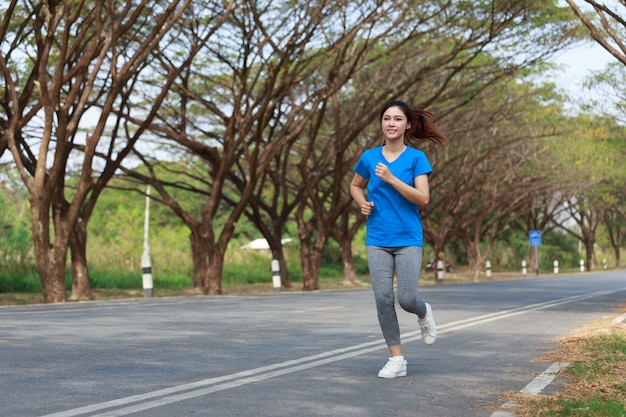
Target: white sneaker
point(394, 368)
point(428, 326)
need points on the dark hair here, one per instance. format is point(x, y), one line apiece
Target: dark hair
point(423, 125)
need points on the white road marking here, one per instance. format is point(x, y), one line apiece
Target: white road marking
point(196, 389)
point(543, 380)
point(534, 387)
point(620, 319)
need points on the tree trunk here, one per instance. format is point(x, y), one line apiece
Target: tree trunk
point(349, 271)
point(52, 274)
point(343, 233)
point(590, 254)
point(200, 257)
point(50, 259)
point(615, 236)
point(81, 289)
point(311, 260)
point(213, 278)
point(615, 222)
point(52, 279)
point(473, 259)
point(312, 243)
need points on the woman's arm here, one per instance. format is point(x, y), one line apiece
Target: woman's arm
point(358, 195)
point(418, 194)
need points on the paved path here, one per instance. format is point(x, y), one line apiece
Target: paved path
point(288, 354)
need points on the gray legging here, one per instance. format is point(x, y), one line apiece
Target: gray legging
point(407, 261)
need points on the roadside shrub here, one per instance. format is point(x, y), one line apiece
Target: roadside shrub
point(19, 280)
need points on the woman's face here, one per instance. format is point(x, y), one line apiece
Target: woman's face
point(394, 123)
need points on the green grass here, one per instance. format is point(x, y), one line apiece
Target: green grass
point(590, 407)
point(606, 351)
point(595, 385)
point(593, 407)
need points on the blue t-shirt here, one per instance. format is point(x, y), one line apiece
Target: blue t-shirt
point(394, 221)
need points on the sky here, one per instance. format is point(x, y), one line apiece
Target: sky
point(579, 62)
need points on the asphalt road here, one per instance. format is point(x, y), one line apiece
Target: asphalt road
point(289, 354)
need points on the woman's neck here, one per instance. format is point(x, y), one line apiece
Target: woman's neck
point(393, 152)
point(394, 146)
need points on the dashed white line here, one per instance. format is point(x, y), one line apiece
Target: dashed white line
point(534, 387)
point(543, 380)
point(620, 319)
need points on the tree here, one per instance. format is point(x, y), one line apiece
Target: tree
point(609, 99)
point(594, 161)
point(273, 204)
point(587, 211)
point(609, 27)
point(608, 104)
point(615, 222)
point(58, 63)
point(611, 109)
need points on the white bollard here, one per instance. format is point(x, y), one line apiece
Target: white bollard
point(488, 267)
point(556, 266)
point(146, 261)
point(604, 263)
point(276, 275)
point(440, 270)
point(524, 268)
point(146, 278)
point(582, 265)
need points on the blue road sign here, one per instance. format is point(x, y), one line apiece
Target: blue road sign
point(535, 237)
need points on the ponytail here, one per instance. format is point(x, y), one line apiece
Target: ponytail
point(423, 125)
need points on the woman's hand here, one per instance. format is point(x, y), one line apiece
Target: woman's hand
point(382, 171)
point(366, 208)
